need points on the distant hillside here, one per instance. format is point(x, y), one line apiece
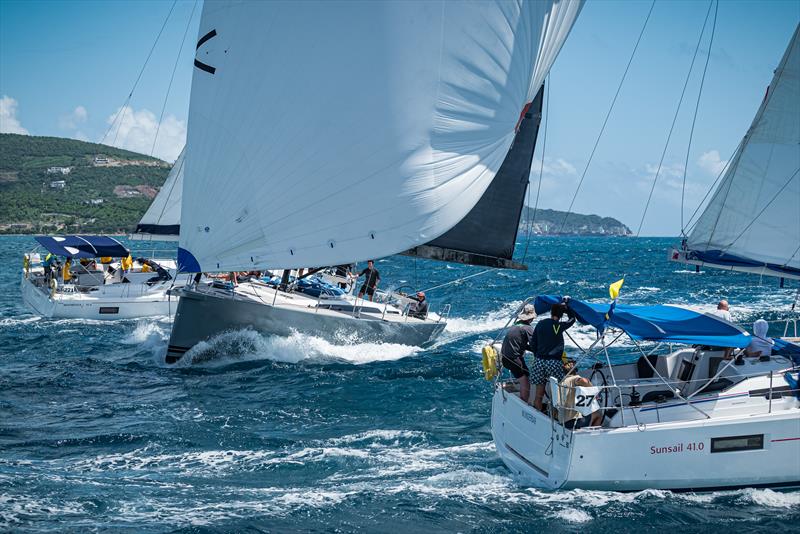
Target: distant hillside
point(49, 184)
point(548, 222)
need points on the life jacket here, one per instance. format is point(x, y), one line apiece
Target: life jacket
point(126, 263)
point(65, 272)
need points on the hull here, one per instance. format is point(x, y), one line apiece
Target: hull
point(200, 316)
point(678, 455)
point(114, 303)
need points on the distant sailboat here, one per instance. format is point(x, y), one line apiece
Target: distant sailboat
point(162, 220)
point(327, 133)
point(752, 222)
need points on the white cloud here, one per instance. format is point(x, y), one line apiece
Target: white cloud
point(135, 130)
point(711, 162)
point(553, 167)
point(9, 123)
point(73, 120)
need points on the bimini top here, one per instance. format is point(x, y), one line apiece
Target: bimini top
point(83, 246)
point(669, 324)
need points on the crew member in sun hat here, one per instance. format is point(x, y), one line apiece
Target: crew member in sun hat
point(517, 341)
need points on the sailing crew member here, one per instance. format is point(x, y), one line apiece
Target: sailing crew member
point(66, 272)
point(370, 282)
point(722, 311)
point(760, 345)
point(517, 341)
point(49, 262)
point(547, 345)
point(343, 271)
point(419, 309)
point(571, 418)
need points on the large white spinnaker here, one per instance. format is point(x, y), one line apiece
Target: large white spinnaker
point(162, 220)
point(753, 219)
point(330, 132)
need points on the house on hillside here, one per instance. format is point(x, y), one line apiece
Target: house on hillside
point(59, 170)
point(58, 184)
point(100, 160)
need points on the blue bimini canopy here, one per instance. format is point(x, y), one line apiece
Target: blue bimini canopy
point(668, 324)
point(83, 246)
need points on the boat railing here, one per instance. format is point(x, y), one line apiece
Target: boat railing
point(625, 399)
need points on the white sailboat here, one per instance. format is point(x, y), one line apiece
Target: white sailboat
point(350, 131)
point(105, 290)
point(96, 283)
point(162, 220)
point(691, 418)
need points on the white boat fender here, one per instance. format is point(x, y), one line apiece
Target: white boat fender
point(26, 264)
point(53, 286)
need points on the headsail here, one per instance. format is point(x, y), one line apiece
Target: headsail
point(488, 234)
point(162, 220)
point(330, 132)
point(752, 223)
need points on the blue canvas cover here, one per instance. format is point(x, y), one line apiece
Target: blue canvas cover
point(669, 324)
point(83, 246)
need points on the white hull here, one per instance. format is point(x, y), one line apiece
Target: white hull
point(110, 302)
point(667, 445)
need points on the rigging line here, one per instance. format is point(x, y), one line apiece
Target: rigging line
point(457, 280)
point(139, 77)
point(172, 77)
point(675, 116)
point(610, 109)
point(763, 209)
point(694, 118)
point(532, 218)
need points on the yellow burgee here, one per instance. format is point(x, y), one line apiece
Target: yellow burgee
point(614, 288)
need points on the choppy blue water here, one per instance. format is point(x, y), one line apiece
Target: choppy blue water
point(298, 434)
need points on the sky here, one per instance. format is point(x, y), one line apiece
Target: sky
point(67, 68)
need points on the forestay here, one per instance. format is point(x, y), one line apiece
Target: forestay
point(753, 219)
point(162, 220)
point(331, 132)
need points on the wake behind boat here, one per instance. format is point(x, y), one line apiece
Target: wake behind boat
point(695, 418)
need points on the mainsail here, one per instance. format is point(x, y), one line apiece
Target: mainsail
point(162, 220)
point(752, 222)
point(330, 132)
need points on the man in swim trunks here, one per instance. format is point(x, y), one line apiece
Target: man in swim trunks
point(516, 342)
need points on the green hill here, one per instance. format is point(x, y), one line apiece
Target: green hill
point(105, 190)
point(549, 222)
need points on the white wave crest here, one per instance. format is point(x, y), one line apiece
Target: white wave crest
point(493, 320)
point(250, 345)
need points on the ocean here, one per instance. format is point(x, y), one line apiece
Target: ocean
point(301, 434)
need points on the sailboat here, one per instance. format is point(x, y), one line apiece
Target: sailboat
point(99, 284)
point(328, 133)
point(162, 220)
point(694, 418)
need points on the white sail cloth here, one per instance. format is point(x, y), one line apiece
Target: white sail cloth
point(329, 132)
point(754, 215)
point(161, 221)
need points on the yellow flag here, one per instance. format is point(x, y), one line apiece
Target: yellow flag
point(614, 288)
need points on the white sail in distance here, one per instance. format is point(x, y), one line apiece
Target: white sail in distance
point(161, 221)
point(329, 132)
point(753, 219)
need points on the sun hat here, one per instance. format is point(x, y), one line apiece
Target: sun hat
point(527, 313)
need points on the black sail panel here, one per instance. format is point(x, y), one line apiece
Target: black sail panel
point(487, 235)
